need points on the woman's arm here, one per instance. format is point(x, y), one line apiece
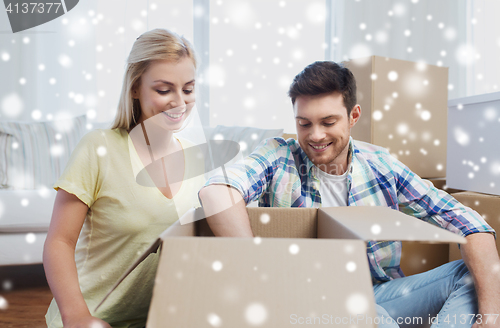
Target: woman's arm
point(59, 260)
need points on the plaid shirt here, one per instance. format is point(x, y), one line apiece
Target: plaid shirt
point(279, 174)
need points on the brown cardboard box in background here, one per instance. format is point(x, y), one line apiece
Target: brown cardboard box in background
point(404, 108)
point(305, 263)
point(440, 183)
point(486, 205)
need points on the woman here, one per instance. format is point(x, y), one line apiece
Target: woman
point(103, 219)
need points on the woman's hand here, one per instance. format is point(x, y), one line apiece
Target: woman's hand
point(87, 322)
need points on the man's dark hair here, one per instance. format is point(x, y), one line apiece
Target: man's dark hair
point(325, 77)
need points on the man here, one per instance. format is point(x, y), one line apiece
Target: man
point(328, 168)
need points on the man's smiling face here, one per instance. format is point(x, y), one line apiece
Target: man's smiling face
point(324, 128)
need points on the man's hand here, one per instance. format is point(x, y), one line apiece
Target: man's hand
point(481, 257)
point(487, 320)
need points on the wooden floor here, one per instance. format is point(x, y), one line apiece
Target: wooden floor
point(27, 295)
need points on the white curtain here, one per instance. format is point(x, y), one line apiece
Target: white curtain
point(48, 70)
point(485, 35)
point(75, 64)
point(256, 48)
point(459, 34)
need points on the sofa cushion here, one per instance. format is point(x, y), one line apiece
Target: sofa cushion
point(24, 211)
point(21, 249)
point(34, 154)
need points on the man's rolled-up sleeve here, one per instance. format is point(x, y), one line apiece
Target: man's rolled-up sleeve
point(419, 198)
point(252, 175)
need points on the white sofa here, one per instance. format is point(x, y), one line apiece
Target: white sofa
point(26, 204)
point(33, 156)
point(24, 222)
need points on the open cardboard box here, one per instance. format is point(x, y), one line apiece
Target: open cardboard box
point(306, 265)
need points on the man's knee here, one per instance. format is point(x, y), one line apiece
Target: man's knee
point(384, 320)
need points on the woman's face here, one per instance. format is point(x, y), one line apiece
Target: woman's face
point(167, 88)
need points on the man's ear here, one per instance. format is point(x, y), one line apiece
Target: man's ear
point(355, 115)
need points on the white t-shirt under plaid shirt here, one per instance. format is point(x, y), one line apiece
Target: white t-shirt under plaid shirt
point(332, 188)
point(279, 174)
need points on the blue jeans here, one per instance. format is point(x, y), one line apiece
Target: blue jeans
point(442, 297)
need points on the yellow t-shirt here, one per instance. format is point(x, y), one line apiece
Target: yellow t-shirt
point(124, 218)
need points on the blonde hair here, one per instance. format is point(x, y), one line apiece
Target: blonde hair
point(157, 44)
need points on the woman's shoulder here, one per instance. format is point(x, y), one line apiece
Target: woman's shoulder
point(97, 136)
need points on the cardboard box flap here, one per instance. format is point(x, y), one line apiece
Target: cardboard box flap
point(241, 282)
point(192, 215)
point(380, 223)
point(328, 227)
point(151, 249)
point(179, 229)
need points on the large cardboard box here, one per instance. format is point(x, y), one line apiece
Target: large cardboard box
point(303, 266)
point(404, 108)
point(440, 183)
point(473, 147)
point(486, 205)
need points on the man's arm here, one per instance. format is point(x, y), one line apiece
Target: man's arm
point(226, 211)
point(481, 257)
point(225, 195)
point(422, 200)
